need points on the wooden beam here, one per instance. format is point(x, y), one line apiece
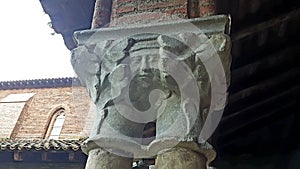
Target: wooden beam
point(253, 108)
point(234, 137)
point(71, 156)
point(265, 85)
point(277, 58)
point(18, 155)
point(266, 24)
point(45, 156)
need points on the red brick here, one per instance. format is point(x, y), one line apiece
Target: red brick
point(122, 1)
point(34, 119)
point(207, 2)
point(207, 7)
point(161, 5)
point(137, 18)
point(207, 10)
point(177, 10)
point(125, 9)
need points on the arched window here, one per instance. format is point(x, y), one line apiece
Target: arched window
point(56, 124)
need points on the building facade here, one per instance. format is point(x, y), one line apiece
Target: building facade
point(43, 123)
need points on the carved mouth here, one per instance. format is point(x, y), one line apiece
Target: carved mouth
point(145, 75)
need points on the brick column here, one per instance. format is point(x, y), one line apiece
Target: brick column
point(122, 12)
point(129, 12)
point(102, 13)
point(207, 7)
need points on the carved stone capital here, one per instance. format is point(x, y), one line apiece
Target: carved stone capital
point(174, 74)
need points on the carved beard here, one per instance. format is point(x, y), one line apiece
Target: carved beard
point(141, 86)
point(143, 82)
point(139, 90)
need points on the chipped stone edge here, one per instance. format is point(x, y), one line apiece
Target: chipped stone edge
point(208, 25)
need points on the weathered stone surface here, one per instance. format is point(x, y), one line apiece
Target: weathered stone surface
point(101, 159)
point(152, 167)
point(206, 25)
point(176, 79)
point(180, 158)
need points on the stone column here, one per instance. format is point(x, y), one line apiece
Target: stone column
point(154, 72)
point(102, 159)
point(180, 158)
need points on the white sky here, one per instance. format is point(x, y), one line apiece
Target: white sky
point(27, 48)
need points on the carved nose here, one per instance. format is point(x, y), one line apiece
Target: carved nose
point(144, 64)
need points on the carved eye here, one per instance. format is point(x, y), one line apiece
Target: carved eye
point(154, 60)
point(136, 59)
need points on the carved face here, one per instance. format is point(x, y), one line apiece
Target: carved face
point(144, 69)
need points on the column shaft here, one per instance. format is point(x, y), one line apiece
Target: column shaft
point(102, 13)
point(207, 7)
point(180, 158)
point(102, 159)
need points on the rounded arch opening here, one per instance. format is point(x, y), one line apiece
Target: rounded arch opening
point(56, 123)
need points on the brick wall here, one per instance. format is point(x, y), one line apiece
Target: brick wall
point(9, 113)
point(126, 12)
point(34, 119)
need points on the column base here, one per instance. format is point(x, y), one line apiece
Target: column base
point(102, 159)
point(179, 158)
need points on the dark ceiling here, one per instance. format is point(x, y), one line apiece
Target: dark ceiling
point(68, 16)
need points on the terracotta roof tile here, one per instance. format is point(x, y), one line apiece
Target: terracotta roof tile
point(42, 144)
